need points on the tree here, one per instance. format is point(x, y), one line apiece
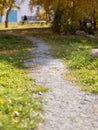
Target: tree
point(71, 9)
point(5, 7)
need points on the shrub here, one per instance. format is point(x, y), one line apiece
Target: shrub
point(69, 28)
point(90, 31)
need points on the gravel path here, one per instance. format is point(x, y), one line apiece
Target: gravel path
point(67, 107)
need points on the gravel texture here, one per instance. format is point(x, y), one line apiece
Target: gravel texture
point(66, 106)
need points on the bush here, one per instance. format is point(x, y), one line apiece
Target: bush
point(90, 31)
point(69, 28)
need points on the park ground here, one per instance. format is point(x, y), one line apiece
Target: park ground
point(27, 25)
point(74, 51)
point(16, 98)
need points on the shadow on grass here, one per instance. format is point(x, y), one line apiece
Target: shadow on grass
point(14, 49)
point(74, 50)
point(64, 46)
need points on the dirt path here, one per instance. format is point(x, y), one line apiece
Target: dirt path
point(67, 108)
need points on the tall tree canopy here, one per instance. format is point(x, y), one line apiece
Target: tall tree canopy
point(80, 6)
point(69, 9)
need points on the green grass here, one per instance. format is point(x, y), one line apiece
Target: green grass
point(20, 107)
point(74, 50)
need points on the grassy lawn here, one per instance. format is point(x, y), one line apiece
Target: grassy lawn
point(20, 105)
point(13, 26)
point(74, 50)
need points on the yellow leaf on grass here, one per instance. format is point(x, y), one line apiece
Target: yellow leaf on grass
point(2, 100)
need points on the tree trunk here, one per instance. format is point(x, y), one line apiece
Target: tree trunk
point(7, 14)
point(6, 19)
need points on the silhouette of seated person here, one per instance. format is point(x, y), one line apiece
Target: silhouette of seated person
point(24, 19)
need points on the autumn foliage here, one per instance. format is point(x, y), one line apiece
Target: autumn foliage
point(68, 12)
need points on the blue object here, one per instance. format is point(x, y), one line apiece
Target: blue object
point(12, 16)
